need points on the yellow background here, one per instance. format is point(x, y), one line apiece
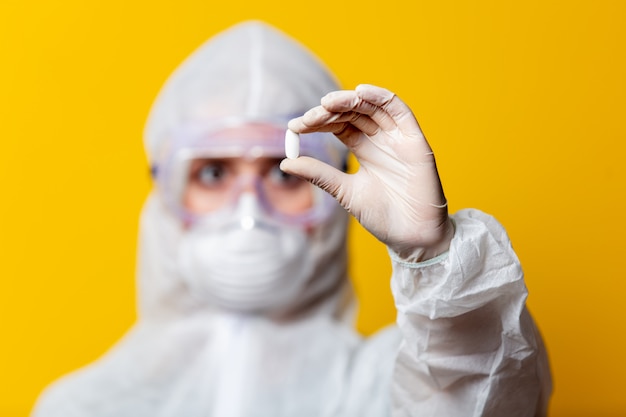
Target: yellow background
point(523, 103)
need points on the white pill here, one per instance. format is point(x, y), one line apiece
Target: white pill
point(292, 144)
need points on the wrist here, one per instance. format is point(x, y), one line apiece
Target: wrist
point(430, 248)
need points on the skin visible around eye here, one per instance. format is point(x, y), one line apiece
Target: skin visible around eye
point(279, 178)
point(216, 182)
point(209, 174)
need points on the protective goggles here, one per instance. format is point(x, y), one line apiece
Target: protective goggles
point(205, 171)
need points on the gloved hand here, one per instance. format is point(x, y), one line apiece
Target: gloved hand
point(396, 194)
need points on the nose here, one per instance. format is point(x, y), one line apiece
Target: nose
point(248, 183)
point(248, 209)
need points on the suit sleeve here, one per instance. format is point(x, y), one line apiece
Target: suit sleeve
point(469, 345)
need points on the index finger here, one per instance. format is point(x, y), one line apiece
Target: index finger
point(320, 119)
point(350, 101)
point(313, 120)
point(392, 104)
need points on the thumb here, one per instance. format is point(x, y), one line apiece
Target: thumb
point(326, 177)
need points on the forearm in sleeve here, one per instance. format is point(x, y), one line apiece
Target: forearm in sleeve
point(470, 347)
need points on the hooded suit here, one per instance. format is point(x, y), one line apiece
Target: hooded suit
point(464, 344)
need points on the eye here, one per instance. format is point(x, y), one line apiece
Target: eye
point(209, 173)
point(279, 178)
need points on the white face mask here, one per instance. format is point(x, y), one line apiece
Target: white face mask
point(246, 263)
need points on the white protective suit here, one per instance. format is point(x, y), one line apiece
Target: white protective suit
point(465, 344)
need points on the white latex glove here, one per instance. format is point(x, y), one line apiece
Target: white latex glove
point(396, 194)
